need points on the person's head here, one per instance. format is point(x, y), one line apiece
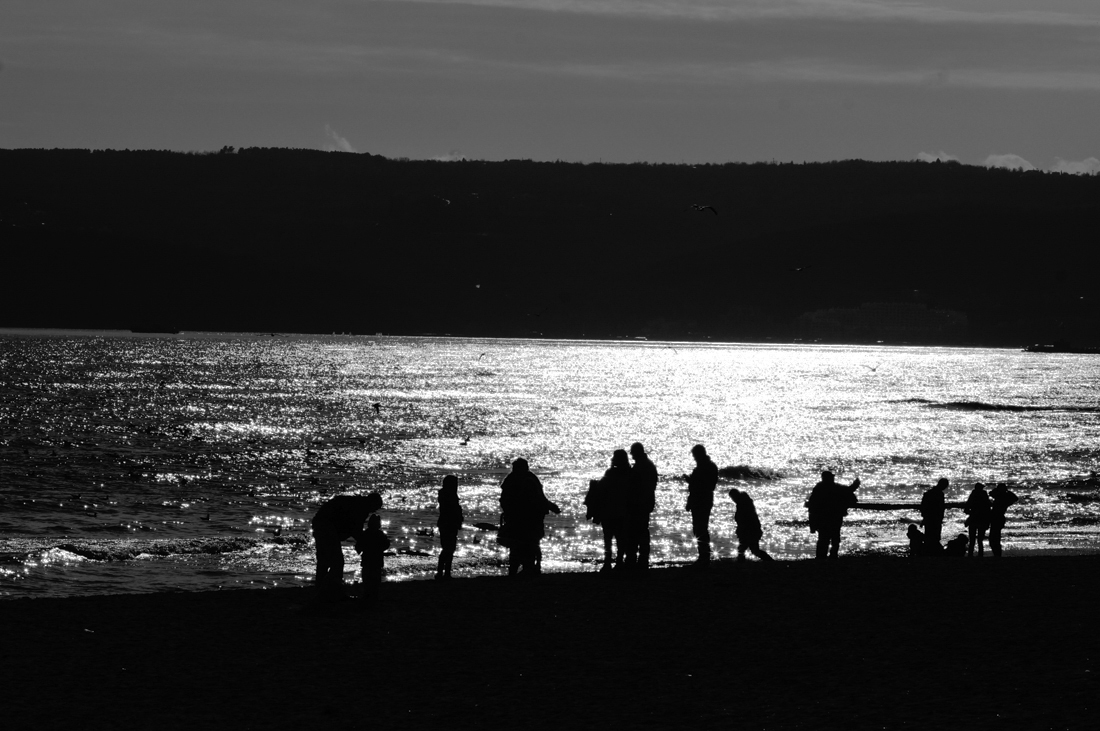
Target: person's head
point(374, 522)
point(735, 494)
point(520, 465)
point(942, 484)
point(827, 476)
point(637, 450)
point(914, 532)
point(699, 452)
point(450, 483)
point(371, 502)
point(619, 458)
point(979, 487)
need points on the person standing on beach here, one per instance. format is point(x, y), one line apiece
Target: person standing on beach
point(641, 499)
point(749, 531)
point(1001, 498)
point(449, 523)
point(606, 503)
point(371, 545)
point(523, 505)
point(931, 513)
point(701, 483)
point(339, 519)
point(979, 510)
point(828, 504)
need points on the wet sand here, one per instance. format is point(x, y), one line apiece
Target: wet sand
point(866, 642)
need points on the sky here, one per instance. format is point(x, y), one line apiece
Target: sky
point(1013, 83)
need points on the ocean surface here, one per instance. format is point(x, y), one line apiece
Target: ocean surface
point(138, 463)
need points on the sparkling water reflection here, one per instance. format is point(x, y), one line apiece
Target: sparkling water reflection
point(191, 462)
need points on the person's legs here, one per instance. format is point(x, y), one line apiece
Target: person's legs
point(995, 540)
point(330, 566)
point(700, 527)
point(757, 551)
point(608, 539)
point(822, 543)
point(448, 543)
point(973, 531)
point(981, 541)
point(933, 532)
point(641, 540)
point(628, 543)
point(834, 541)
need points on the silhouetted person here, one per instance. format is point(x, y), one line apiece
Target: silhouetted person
point(916, 540)
point(931, 512)
point(701, 483)
point(523, 505)
point(641, 498)
point(749, 531)
point(372, 543)
point(1001, 498)
point(606, 503)
point(337, 520)
point(828, 504)
point(956, 546)
point(449, 523)
point(979, 509)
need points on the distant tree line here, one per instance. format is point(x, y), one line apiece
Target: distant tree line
point(307, 241)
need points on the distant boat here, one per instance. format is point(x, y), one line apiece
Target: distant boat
point(1060, 346)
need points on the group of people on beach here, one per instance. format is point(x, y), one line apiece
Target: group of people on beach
point(986, 511)
point(621, 502)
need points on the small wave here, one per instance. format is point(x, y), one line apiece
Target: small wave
point(129, 550)
point(744, 472)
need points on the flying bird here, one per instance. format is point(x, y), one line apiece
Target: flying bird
point(697, 207)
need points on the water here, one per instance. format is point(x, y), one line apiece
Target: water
point(194, 462)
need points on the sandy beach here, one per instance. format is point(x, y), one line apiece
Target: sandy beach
point(863, 642)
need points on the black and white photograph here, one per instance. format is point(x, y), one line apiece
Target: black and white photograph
point(545, 364)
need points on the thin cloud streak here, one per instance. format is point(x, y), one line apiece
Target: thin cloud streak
point(753, 42)
point(1070, 13)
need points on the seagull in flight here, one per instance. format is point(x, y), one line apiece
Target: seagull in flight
point(697, 207)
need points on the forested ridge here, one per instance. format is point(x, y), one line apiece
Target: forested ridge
point(305, 241)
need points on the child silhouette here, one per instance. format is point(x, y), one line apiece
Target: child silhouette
point(371, 545)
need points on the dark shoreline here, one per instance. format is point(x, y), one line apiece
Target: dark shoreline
point(863, 642)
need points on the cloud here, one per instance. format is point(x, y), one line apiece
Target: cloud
point(940, 156)
point(1009, 162)
point(338, 144)
point(1088, 166)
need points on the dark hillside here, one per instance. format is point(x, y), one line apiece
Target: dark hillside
point(296, 240)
